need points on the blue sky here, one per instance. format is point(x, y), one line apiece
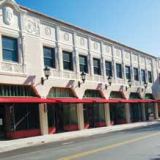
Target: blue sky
point(132, 22)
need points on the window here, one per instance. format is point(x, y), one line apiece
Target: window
point(108, 68)
point(49, 57)
point(149, 76)
point(9, 47)
point(83, 64)
point(136, 77)
point(128, 72)
point(67, 61)
point(119, 70)
point(143, 75)
point(26, 116)
point(97, 68)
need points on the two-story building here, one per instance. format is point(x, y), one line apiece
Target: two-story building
point(57, 77)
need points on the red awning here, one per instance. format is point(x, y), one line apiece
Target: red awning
point(96, 100)
point(70, 100)
point(24, 100)
point(148, 101)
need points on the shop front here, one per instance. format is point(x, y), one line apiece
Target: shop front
point(94, 114)
point(135, 108)
point(150, 107)
point(62, 115)
point(117, 110)
point(19, 112)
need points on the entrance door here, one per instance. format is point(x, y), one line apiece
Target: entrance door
point(2, 121)
point(88, 115)
point(59, 124)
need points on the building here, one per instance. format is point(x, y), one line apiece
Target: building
point(120, 84)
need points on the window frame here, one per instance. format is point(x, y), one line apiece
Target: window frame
point(52, 58)
point(150, 77)
point(84, 65)
point(70, 62)
point(108, 70)
point(97, 67)
point(118, 64)
point(15, 51)
point(143, 80)
point(136, 77)
point(128, 75)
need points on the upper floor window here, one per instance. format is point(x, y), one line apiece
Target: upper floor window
point(9, 47)
point(83, 64)
point(108, 68)
point(119, 70)
point(136, 77)
point(143, 74)
point(67, 61)
point(49, 57)
point(128, 72)
point(97, 66)
point(149, 76)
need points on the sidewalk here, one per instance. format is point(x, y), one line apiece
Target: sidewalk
point(33, 141)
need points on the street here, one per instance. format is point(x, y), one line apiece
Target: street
point(135, 144)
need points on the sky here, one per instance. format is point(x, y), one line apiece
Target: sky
point(135, 23)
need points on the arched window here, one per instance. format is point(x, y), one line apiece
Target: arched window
point(116, 95)
point(92, 94)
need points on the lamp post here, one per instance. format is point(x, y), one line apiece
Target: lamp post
point(46, 73)
point(83, 77)
point(109, 81)
point(145, 85)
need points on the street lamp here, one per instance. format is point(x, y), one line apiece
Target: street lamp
point(46, 73)
point(129, 83)
point(83, 77)
point(109, 81)
point(145, 86)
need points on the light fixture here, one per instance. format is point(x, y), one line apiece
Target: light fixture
point(46, 73)
point(109, 81)
point(129, 83)
point(145, 85)
point(83, 77)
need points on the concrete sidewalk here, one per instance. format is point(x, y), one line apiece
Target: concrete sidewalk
point(33, 141)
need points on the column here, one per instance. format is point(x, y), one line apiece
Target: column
point(43, 119)
point(107, 114)
point(128, 115)
point(156, 111)
point(143, 112)
point(90, 57)
point(80, 116)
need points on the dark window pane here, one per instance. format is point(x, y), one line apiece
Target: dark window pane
point(83, 64)
point(9, 47)
point(49, 57)
point(143, 75)
point(108, 68)
point(128, 74)
point(150, 76)
point(136, 77)
point(67, 61)
point(97, 67)
point(119, 70)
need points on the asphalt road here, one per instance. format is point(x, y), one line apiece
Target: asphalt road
point(136, 144)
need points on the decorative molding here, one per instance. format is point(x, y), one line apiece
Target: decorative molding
point(118, 53)
point(32, 25)
point(107, 49)
point(48, 31)
point(82, 42)
point(8, 15)
point(66, 36)
point(95, 46)
point(127, 55)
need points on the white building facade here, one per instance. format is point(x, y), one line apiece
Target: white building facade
point(122, 84)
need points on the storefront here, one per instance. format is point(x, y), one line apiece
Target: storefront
point(62, 116)
point(19, 111)
point(94, 114)
point(117, 110)
point(150, 107)
point(135, 108)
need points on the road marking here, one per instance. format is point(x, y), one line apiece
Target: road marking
point(108, 147)
point(67, 143)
